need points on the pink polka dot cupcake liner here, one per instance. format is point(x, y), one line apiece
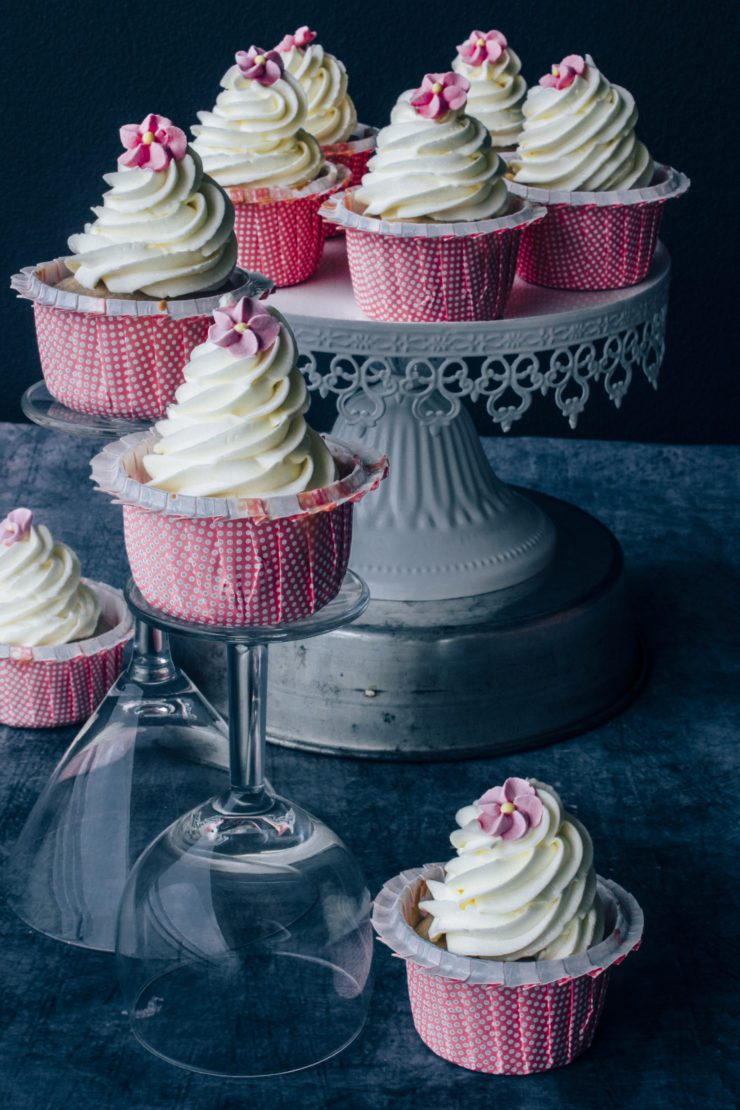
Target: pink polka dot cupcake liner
point(428, 272)
point(112, 357)
point(279, 231)
point(233, 562)
point(47, 687)
point(590, 241)
point(355, 154)
point(503, 1017)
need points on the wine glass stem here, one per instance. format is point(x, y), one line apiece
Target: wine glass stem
point(152, 659)
point(247, 670)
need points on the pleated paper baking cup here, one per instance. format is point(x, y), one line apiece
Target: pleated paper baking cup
point(426, 272)
point(47, 687)
point(279, 231)
point(355, 154)
point(590, 241)
point(233, 562)
point(111, 357)
point(497, 1016)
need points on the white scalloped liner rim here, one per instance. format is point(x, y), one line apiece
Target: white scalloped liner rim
point(332, 177)
point(335, 209)
point(113, 609)
point(393, 929)
point(362, 138)
point(672, 183)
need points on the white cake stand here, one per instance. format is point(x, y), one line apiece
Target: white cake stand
point(498, 616)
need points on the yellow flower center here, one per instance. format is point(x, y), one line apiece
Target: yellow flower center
point(241, 327)
point(260, 60)
point(507, 807)
point(437, 88)
point(147, 138)
point(481, 42)
point(556, 71)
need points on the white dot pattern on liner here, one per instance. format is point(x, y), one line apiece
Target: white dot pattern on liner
point(48, 694)
point(587, 247)
point(506, 1030)
point(410, 278)
point(234, 573)
point(125, 366)
point(283, 239)
point(356, 161)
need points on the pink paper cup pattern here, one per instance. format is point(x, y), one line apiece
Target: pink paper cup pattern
point(355, 154)
point(499, 1017)
point(230, 562)
point(111, 357)
point(279, 231)
point(591, 241)
point(424, 272)
point(47, 687)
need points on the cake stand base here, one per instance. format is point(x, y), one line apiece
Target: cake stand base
point(495, 673)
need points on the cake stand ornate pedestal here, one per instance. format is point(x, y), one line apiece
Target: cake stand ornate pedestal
point(499, 619)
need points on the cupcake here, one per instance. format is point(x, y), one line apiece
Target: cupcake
point(432, 233)
point(578, 154)
point(116, 321)
point(332, 116)
point(61, 637)
point(509, 945)
point(255, 144)
point(497, 88)
point(235, 511)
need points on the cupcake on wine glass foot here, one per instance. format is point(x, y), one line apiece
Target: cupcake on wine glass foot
point(235, 511)
point(578, 155)
point(62, 637)
point(509, 945)
point(497, 88)
point(332, 116)
point(255, 144)
point(432, 232)
point(116, 320)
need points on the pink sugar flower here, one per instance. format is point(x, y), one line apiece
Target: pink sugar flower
point(439, 94)
point(153, 143)
point(245, 328)
point(563, 75)
point(482, 46)
point(16, 526)
point(264, 66)
point(511, 810)
point(300, 39)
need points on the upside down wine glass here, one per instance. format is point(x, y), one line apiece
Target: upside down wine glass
point(244, 939)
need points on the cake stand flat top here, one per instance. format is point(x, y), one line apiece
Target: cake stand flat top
point(325, 317)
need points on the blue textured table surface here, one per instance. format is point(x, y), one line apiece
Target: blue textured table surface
point(657, 787)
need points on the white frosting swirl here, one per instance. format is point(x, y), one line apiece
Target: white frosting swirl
point(165, 233)
point(237, 428)
point(532, 898)
point(581, 137)
point(497, 92)
point(42, 600)
point(332, 117)
point(424, 169)
point(255, 134)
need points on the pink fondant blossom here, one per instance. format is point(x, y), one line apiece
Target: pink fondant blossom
point(562, 76)
point(482, 46)
point(16, 526)
point(245, 328)
point(439, 94)
point(509, 811)
point(264, 66)
point(152, 143)
point(300, 39)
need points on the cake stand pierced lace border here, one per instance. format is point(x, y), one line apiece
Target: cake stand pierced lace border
point(507, 381)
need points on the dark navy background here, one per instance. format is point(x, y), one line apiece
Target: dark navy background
point(73, 72)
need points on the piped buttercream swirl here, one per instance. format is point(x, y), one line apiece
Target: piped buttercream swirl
point(332, 116)
point(497, 92)
point(237, 427)
point(165, 233)
point(532, 897)
point(433, 169)
point(42, 599)
point(581, 137)
point(255, 134)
